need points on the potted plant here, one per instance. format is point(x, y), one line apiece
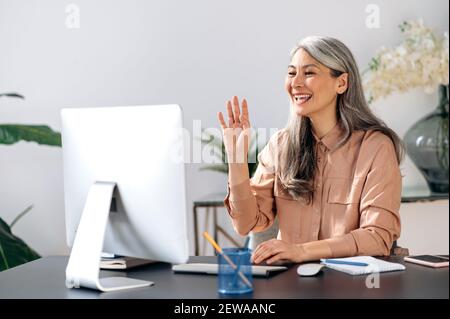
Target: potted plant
point(217, 147)
point(13, 250)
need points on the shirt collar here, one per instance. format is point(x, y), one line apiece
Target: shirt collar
point(331, 139)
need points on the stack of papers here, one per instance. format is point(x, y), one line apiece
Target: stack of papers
point(374, 265)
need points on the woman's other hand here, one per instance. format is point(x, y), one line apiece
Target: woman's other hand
point(275, 251)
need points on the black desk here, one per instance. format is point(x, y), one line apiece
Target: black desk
point(45, 278)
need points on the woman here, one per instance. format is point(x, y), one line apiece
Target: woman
point(331, 175)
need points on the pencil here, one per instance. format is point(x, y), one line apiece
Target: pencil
point(228, 260)
point(247, 241)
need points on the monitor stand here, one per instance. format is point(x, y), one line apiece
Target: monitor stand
point(84, 262)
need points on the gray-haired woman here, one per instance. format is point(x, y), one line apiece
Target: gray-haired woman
point(331, 175)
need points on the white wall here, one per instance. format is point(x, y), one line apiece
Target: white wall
point(196, 53)
point(425, 227)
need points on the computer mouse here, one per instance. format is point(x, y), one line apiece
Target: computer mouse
point(309, 269)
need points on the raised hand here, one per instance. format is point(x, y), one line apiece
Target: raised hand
point(236, 134)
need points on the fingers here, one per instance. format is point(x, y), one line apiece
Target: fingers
point(264, 251)
point(255, 254)
point(244, 117)
point(237, 111)
point(221, 120)
point(264, 254)
point(257, 257)
point(235, 117)
point(230, 115)
point(278, 259)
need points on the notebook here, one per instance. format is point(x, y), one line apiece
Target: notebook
point(375, 265)
point(202, 268)
point(123, 262)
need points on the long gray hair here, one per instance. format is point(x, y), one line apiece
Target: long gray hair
point(298, 158)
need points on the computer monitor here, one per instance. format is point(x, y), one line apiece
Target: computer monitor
point(124, 189)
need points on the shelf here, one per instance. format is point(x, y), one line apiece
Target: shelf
point(408, 196)
point(421, 195)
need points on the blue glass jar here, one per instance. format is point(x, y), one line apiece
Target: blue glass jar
point(235, 279)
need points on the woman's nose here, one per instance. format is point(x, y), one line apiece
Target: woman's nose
point(298, 81)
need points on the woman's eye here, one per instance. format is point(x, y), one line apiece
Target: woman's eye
point(309, 73)
point(291, 73)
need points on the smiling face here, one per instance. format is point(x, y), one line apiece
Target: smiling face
point(311, 87)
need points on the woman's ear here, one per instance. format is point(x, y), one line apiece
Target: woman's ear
point(342, 83)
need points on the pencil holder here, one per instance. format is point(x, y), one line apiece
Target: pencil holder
point(235, 279)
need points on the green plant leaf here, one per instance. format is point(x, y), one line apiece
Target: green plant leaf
point(13, 250)
point(18, 217)
point(218, 144)
point(41, 134)
point(374, 63)
point(17, 95)
point(212, 140)
point(222, 168)
point(252, 168)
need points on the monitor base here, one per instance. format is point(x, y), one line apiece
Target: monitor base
point(83, 267)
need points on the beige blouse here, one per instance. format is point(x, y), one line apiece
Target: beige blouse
point(355, 210)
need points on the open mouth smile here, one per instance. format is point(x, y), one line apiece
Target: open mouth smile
point(302, 98)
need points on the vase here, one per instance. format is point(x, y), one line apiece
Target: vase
point(427, 144)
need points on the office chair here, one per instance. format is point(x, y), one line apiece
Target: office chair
point(398, 251)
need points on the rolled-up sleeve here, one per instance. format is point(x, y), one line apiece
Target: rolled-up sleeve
point(379, 208)
point(251, 203)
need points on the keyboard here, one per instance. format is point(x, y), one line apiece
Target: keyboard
point(212, 269)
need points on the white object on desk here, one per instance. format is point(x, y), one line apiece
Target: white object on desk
point(120, 165)
point(83, 266)
point(309, 269)
point(212, 269)
point(374, 265)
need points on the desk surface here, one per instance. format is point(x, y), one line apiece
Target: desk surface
point(45, 278)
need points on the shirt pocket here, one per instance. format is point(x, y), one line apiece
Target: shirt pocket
point(342, 213)
point(345, 191)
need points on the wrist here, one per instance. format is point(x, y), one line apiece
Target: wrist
point(237, 159)
point(314, 250)
point(300, 253)
point(237, 173)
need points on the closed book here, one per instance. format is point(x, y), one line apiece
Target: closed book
point(123, 262)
